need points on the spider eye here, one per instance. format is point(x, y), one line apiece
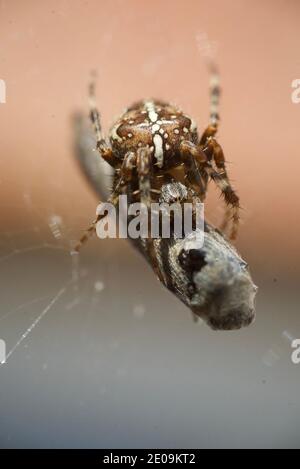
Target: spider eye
point(192, 260)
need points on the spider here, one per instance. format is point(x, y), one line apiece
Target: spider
point(153, 142)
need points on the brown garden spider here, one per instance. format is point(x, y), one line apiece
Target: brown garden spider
point(150, 142)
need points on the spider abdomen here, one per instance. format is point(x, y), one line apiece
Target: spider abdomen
point(155, 124)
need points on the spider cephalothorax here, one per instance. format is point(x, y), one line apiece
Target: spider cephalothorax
point(152, 140)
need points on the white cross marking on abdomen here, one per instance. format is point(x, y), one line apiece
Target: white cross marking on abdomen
point(157, 140)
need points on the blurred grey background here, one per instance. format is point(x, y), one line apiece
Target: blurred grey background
point(118, 362)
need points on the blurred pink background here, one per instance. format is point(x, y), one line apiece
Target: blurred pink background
point(142, 49)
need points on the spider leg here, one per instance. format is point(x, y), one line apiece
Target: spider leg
point(103, 148)
point(144, 169)
point(226, 219)
point(144, 159)
point(231, 199)
point(204, 158)
point(88, 233)
point(193, 158)
point(214, 98)
point(124, 177)
point(215, 155)
point(214, 95)
point(230, 196)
